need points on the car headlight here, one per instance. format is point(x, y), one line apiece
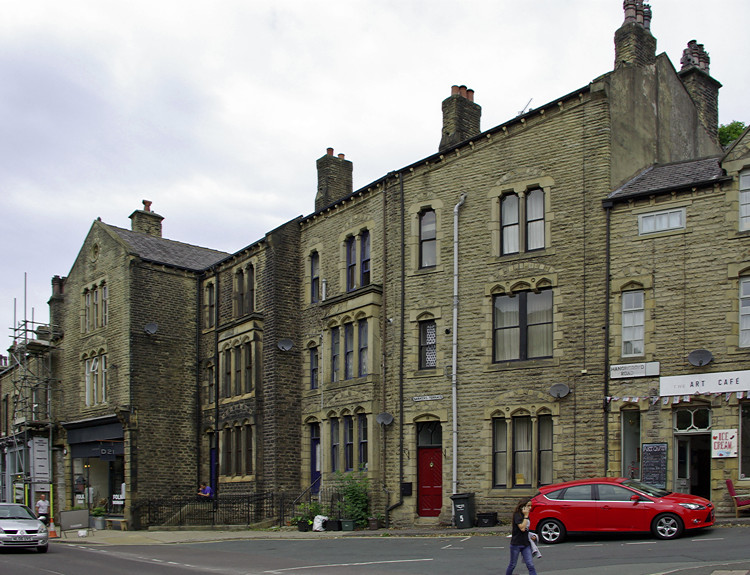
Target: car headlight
point(42, 529)
point(693, 506)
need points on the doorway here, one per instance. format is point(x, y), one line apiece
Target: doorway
point(693, 464)
point(314, 458)
point(429, 469)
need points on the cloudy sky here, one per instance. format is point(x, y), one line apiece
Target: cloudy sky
point(217, 110)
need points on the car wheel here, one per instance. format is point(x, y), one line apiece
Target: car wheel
point(551, 531)
point(42, 549)
point(667, 526)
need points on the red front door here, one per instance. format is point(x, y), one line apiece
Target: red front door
point(430, 481)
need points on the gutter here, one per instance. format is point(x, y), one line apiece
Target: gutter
point(454, 369)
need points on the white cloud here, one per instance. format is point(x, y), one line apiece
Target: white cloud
point(217, 111)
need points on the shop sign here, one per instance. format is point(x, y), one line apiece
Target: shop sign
point(719, 382)
point(426, 397)
point(40, 454)
point(624, 370)
point(118, 499)
point(724, 443)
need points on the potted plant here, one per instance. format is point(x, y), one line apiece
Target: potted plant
point(306, 513)
point(302, 523)
point(354, 489)
point(374, 522)
point(97, 517)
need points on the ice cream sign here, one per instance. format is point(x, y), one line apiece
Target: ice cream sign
point(724, 443)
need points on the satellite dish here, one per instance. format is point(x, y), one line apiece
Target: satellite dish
point(285, 344)
point(151, 328)
point(384, 418)
point(700, 357)
point(559, 390)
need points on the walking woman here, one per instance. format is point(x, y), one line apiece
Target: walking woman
point(519, 539)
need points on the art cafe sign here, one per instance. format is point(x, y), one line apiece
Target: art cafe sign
point(719, 382)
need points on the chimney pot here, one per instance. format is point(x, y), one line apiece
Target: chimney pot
point(329, 151)
point(470, 95)
point(147, 205)
point(454, 90)
point(463, 91)
point(341, 156)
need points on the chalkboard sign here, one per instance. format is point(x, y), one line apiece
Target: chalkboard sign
point(654, 464)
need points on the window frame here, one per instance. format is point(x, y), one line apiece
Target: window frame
point(633, 319)
point(239, 294)
point(362, 438)
point(744, 312)
point(210, 305)
point(250, 289)
point(744, 451)
point(425, 346)
point(364, 258)
point(744, 200)
point(350, 248)
point(348, 443)
point(314, 277)
point(314, 367)
point(532, 220)
point(523, 325)
point(335, 443)
point(363, 347)
point(227, 382)
point(510, 224)
point(427, 238)
point(249, 449)
point(669, 227)
point(348, 350)
point(335, 352)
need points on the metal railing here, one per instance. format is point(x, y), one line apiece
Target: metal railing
point(251, 509)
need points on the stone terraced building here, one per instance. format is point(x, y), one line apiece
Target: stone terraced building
point(561, 296)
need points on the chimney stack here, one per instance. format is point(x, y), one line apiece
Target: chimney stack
point(461, 117)
point(145, 221)
point(703, 89)
point(634, 43)
point(334, 179)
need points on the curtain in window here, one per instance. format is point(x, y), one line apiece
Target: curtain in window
point(500, 452)
point(427, 239)
point(362, 347)
point(745, 312)
point(745, 200)
point(632, 323)
point(509, 224)
point(545, 449)
point(248, 450)
point(535, 220)
point(507, 328)
point(348, 351)
point(522, 450)
point(539, 321)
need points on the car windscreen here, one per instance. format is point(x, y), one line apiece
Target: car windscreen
point(15, 512)
point(651, 490)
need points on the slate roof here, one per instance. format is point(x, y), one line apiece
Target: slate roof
point(666, 177)
point(169, 252)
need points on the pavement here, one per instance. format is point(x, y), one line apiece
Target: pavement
point(201, 535)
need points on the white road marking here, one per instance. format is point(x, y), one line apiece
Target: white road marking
point(345, 565)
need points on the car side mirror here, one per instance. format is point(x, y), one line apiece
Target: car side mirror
point(635, 498)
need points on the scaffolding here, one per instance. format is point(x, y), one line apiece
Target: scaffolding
point(27, 445)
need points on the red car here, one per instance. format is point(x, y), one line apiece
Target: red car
point(615, 505)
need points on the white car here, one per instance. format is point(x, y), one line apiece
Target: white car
point(19, 527)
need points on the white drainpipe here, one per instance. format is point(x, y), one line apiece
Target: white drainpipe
point(455, 343)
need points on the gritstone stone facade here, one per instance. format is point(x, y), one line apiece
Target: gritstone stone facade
point(564, 295)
